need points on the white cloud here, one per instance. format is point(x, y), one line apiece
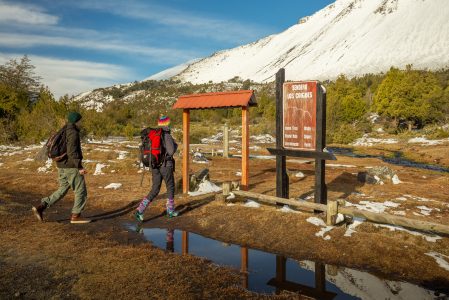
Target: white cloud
point(161, 55)
point(26, 14)
point(182, 22)
point(73, 76)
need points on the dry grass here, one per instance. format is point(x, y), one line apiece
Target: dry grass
point(56, 260)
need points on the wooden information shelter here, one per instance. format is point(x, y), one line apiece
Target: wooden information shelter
point(243, 99)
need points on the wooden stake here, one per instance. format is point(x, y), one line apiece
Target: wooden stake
point(331, 212)
point(226, 141)
point(245, 148)
point(185, 152)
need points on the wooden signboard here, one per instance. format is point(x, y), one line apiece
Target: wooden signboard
point(299, 116)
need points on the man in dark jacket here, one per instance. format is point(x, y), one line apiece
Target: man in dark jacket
point(165, 171)
point(70, 174)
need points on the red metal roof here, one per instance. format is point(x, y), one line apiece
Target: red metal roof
point(217, 100)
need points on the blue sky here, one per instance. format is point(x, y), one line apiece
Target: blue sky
point(80, 45)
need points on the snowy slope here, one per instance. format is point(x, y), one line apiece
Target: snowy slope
point(168, 73)
point(351, 37)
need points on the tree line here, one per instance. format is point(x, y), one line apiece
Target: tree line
point(404, 99)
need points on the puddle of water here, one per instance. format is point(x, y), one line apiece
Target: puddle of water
point(398, 159)
point(269, 273)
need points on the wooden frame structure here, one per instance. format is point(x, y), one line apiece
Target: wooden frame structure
point(243, 99)
point(282, 180)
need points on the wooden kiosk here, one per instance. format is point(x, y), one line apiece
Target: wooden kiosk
point(243, 99)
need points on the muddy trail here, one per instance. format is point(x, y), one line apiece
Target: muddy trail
point(289, 249)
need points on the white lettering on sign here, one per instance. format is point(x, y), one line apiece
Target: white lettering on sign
point(299, 87)
point(307, 136)
point(300, 95)
point(307, 128)
point(308, 145)
point(288, 128)
point(291, 144)
point(291, 136)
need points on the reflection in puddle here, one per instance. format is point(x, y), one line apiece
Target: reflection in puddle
point(269, 273)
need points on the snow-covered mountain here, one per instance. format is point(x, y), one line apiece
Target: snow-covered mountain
point(351, 37)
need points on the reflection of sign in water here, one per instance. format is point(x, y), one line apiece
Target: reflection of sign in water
point(299, 124)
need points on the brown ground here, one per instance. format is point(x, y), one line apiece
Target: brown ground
point(102, 259)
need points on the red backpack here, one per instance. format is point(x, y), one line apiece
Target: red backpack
point(152, 151)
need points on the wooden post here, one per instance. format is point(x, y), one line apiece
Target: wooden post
point(226, 141)
point(244, 266)
point(245, 148)
point(185, 242)
point(320, 165)
point(331, 212)
point(226, 188)
point(281, 165)
point(185, 153)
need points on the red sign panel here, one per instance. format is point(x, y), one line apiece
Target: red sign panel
point(299, 124)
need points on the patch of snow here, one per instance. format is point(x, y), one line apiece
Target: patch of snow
point(205, 187)
point(340, 166)
point(121, 154)
point(429, 238)
point(113, 186)
point(316, 221)
point(425, 142)
point(376, 207)
point(199, 158)
point(263, 139)
point(231, 196)
point(29, 159)
point(419, 199)
point(300, 175)
point(395, 179)
point(238, 173)
point(401, 199)
point(230, 204)
point(425, 210)
point(1, 164)
point(367, 141)
point(102, 149)
point(254, 148)
point(287, 209)
point(351, 228)
point(251, 203)
point(98, 169)
point(323, 231)
point(46, 168)
point(441, 259)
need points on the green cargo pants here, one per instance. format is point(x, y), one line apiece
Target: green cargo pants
point(69, 178)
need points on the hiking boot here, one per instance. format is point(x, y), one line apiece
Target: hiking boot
point(39, 211)
point(138, 216)
point(77, 219)
point(171, 213)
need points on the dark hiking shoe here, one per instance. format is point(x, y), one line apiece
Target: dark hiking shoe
point(77, 219)
point(171, 213)
point(39, 211)
point(138, 216)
